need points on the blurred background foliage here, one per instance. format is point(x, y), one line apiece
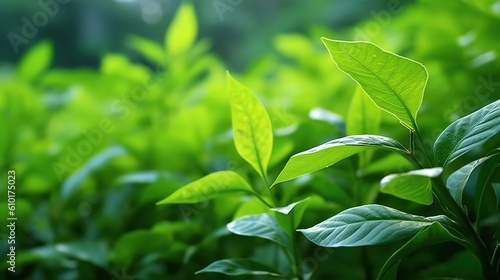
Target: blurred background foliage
point(110, 106)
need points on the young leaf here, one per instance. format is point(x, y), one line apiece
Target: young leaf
point(431, 235)
point(457, 181)
point(36, 60)
point(331, 152)
point(238, 267)
point(263, 226)
point(253, 135)
point(290, 216)
point(414, 186)
point(148, 48)
point(370, 224)
point(396, 84)
point(467, 133)
point(208, 187)
point(363, 118)
point(182, 31)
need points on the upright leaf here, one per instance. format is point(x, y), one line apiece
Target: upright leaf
point(363, 118)
point(457, 181)
point(396, 84)
point(263, 226)
point(253, 135)
point(182, 32)
point(290, 216)
point(36, 60)
point(467, 133)
point(208, 187)
point(237, 267)
point(431, 235)
point(415, 185)
point(485, 198)
point(370, 224)
point(331, 152)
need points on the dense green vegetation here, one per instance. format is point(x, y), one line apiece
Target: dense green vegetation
point(164, 169)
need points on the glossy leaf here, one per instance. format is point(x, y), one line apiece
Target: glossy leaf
point(209, 187)
point(414, 186)
point(290, 216)
point(457, 181)
point(370, 224)
point(237, 267)
point(467, 133)
point(253, 135)
point(331, 152)
point(182, 31)
point(263, 226)
point(396, 84)
point(431, 235)
point(485, 198)
point(36, 60)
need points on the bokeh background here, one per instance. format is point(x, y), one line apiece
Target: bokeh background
point(107, 107)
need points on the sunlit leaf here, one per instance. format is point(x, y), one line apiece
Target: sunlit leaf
point(149, 49)
point(253, 135)
point(467, 133)
point(182, 32)
point(36, 60)
point(414, 185)
point(290, 216)
point(396, 84)
point(331, 152)
point(370, 224)
point(262, 226)
point(238, 267)
point(209, 187)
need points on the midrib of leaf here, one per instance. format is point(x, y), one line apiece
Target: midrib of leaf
point(463, 139)
point(257, 153)
point(393, 91)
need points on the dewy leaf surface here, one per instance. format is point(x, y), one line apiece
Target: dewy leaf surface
point(253, 135)
point(467, 133)
point(415, 185)
point(396, 84)
point(370, 224)
point(331, 152)
point(209, 187)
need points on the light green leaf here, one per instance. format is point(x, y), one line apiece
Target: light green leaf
point(253, 135)
point(331, 152)
point(415, 185)
point(363, 118)
point(149, 49)
point(467, 133)
point(238, 267)
point(182, 32)
point(396, 84)
point(370, 224)
point(36, 60)
point(457, 181)
point(290, 216)
point(431, 235)
point(208, 187)
point(263, 226)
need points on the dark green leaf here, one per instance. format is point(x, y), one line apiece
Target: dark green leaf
point(238, 267)
point(467, 133)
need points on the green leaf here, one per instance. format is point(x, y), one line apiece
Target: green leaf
point(149, 49)
point(485, 198)
point(209, 187)
point(36, 60)
point(331, 152)
point(88, 251)
point(414, 186)
point(396, 84)
point(370, 224)
point(363, 118)
point(457, 181)
point(182, 32)
point(263, 226)
point(253, 135)
point(290, 216)
point(238, 267)
point(467, 133)
point(431, 235)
